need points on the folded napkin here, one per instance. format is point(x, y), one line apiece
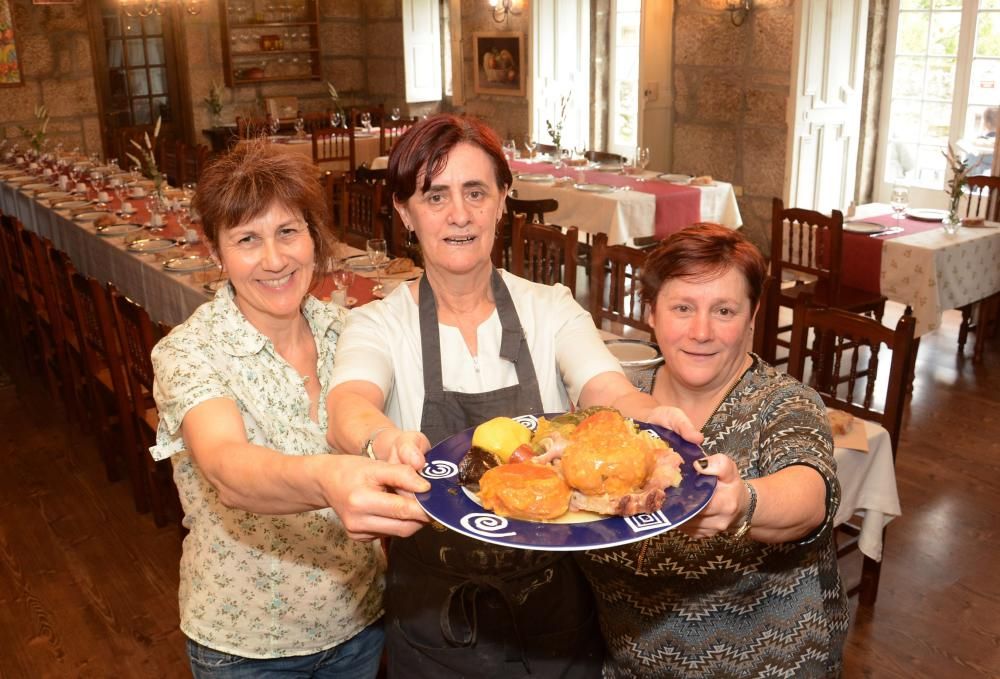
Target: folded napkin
point(848, 431)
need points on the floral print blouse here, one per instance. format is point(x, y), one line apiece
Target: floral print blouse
point(259, 586)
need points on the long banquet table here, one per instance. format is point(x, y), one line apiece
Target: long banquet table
point(624, 207)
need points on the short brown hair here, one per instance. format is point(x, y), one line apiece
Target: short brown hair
point(429, 142)
point(703, 250)
point(245, 182)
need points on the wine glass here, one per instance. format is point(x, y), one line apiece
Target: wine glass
point(366, 121)
point(899, 200)
point(274, 125)
point(336, 119)
point(377, 253)
point(300, 126)
point(530, 144)
point(394, 114)
point(343, 279)
point(641, 161)
point(97, 181)
point(509, 149)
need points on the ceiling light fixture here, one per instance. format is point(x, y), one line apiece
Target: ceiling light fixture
point(738, 10)
point(502, 9)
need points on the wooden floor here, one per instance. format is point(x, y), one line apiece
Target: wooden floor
point(88, 588)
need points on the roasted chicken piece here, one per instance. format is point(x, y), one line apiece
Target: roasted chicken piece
point(605, 457)
point(524, 491)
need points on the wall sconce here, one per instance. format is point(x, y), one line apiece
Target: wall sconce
point(502, 9)
point(144, 8)
point(738, 10)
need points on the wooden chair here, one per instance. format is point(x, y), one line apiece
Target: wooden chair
point(105, 386)
point(333, 145)
point(983, 200)
point(544, 253)
point(806, 246)
point(391, 131)
point(315, 120)
point(61, 307)
point(47, 328)
point(534, 211)
point(361, 212)
point(171, 160)
point(615, 275)
point(136, 337)
point(847, 379)
point(195, 160)
point(17, 309)
point(604, 157)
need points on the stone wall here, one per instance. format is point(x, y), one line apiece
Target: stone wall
point(732, 85)
point(54, 50)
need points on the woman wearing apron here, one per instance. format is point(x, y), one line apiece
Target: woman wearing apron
point(462, 345)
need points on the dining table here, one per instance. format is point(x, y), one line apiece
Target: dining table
point(913, 261)
point(599, 198)
point(366, 148)
point(166, 274)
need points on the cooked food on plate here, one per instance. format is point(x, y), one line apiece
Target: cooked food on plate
point(399, 265)
point(703, 180)
point(840, 422)
point(593, 460)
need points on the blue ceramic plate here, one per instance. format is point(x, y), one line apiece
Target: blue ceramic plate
point(450, 504)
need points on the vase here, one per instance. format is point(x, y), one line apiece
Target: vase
point(952, 219)
point(217, 119)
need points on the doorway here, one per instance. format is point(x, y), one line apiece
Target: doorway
point(137, 74)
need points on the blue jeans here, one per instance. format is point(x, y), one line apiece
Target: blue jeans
point(355, 658)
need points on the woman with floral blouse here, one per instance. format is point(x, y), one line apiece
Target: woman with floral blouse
point(279, 572)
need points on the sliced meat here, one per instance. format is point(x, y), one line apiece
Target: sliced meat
point(640, 502)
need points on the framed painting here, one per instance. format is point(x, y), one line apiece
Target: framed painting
point(53, 2)
point(10, 65)
point(500, 64)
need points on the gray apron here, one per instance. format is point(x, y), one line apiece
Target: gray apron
point(460, 607)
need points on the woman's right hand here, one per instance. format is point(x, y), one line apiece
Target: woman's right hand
point(360, 490)
point(408, 447)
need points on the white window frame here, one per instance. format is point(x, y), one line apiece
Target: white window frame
point(422, 50)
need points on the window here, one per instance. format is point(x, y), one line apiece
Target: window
point(941, 81)
point(623, 114)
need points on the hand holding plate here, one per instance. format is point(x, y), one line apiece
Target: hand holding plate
point(725, 506)
point(676, 421)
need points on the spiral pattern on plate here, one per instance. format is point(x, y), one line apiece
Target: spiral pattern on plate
point(486, 525)
point(439, 469)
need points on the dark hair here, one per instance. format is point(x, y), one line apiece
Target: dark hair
point(703, 250)
point(245, 182)
point(428, 143)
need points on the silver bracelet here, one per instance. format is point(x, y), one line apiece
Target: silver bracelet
point(369, 447)
point(744, 526)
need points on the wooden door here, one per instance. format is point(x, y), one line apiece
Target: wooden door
point(137, 75)
point(825, 109)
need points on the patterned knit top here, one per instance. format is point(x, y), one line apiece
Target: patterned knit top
point(674, 606)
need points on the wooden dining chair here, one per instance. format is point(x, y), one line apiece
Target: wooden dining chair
point(61, 306)
point(604, 157)
point(315, 120)
point(806, 249)
point(615, 286)
point(853, 378)
point(105, 384)
point(533, 210)
point(16, 308)
point(982, 200)
point(136, 337)
point(391, 131)
point(334, 144)
point(361, 215)
point(47, 328)
point(544, 253)
point(194, 163)
point(170, 159)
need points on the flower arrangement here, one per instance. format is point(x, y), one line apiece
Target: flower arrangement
point(214, 99)
point(148, 161)
point(336, 100)
point(555, 130)
point(37, 138)
point(960, 171)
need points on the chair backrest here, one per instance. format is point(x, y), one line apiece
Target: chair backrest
point(808, 245)
point(37, 274)
point(615, 284)
point(845, 360)
point(534, 211)
point(315, 120)
point(391, 131)
point(983, 197)
point(194, 163)
point(544, 253)
point(136, 337)
point(171, 160)
point(100, 348)
point(61, 267)
point(13, 261)
point(332, 144)
point(763, 329)
point(370, 176)
point(361, 212)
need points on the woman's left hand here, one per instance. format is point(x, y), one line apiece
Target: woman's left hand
point(727, 504)
point(677, 421)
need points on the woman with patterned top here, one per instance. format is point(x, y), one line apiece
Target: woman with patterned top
point(279, 573)
point(749, 587)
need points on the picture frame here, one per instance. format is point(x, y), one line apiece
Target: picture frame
point(53, 2)
point(10, 65)
point(499, 63)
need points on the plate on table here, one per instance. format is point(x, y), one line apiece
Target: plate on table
point(70, 204)
point(21, 179)
point(188, 264)
point(118, 230)
point(594, 188)
point(449, 503)
point(675, 178)
point(89, 216)
point(39, 186)
point(608, 167)
point(359, 263)
point(299, 141)
point(864, 227)
point(926, 214)
point(536, 177)
point(151, 244)
point(53, 195)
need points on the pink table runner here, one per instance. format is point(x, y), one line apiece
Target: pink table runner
point(862, 254)
point(676, 206)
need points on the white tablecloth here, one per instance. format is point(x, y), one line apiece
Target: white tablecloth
point(366, 149)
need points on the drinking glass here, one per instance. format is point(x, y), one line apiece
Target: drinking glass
point(300, 126)
point(899, 200)
point(274, 125)
point(530, 144)
point(394, 114)
point(97, 181)
point(366, 121)
point(641, 161)
point(336, 119)
point(377, 254)
point(343, 278)
point(510, 149)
